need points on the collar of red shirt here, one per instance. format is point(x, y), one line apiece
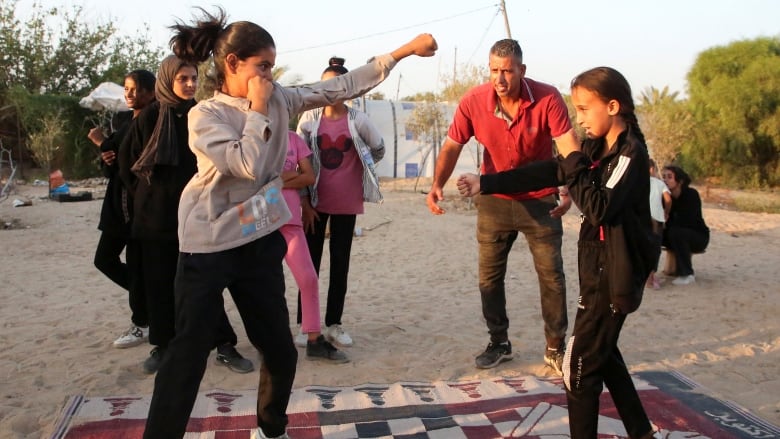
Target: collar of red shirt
point(526, 99)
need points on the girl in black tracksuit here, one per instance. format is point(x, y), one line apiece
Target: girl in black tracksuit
point(608, 181)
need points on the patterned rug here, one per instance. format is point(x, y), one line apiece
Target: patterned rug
point(529, 407)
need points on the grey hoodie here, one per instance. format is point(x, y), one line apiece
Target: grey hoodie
point(235, 197)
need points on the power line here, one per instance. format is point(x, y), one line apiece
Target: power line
point(407, 86)
point(388, 31)
point(482, 39)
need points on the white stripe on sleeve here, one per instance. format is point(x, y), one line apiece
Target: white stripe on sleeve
point(620, 169)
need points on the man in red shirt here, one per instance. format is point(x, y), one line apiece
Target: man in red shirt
point(516, 119)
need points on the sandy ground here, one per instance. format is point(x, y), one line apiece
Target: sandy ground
point(413, 309)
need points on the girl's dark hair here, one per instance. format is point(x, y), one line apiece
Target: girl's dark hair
point(609, 84)
point(335, 65)
point(680, 176)
point(212, 36)
point(144, 79)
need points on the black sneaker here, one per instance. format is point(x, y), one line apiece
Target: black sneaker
point(494, 354)
point(152, 363)
point(553, 357)
point(322, 349)
point(227, 355)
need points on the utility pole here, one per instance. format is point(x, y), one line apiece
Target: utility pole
point(398, 87)
point(455, 66)
point(506, 19)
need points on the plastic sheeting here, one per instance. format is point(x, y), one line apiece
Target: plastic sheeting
point(406, 156)
point(107, 96)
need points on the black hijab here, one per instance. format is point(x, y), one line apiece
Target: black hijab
point(162, 147)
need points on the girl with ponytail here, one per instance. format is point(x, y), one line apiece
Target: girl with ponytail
point(607, 180)
point(231, 210)
point(345, 147)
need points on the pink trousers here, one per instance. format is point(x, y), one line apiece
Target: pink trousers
point(299, 261)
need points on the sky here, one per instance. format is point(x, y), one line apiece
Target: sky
point(653, 43)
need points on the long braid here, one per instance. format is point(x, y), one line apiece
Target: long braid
point(633, 123)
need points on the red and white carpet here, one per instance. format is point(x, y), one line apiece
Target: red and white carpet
point(527, 407)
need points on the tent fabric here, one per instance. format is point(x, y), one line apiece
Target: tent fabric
point(107, 96)
point(406, 156)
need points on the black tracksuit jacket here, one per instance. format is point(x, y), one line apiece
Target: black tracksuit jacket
point(115, 211)
point(613, 195)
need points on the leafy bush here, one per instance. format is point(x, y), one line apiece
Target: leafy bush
point(76, 156)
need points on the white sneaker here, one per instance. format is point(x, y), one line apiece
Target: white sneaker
point(258, 434)
point(301, 339)
point(133, 337)
point(684, 280)
point(336, 334)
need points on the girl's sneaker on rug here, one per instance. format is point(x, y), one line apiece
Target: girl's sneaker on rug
point(553, 357)
point(227, 355)
point(258, 434)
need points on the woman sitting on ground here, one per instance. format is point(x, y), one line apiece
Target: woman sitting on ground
point(686, 232)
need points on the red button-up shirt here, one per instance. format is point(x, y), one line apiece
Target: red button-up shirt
point(508, 144)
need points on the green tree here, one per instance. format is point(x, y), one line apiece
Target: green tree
point(56, 52)
point(77, 157)
point(54, 55)
point(422, 97)
point(460, 82)
point(428, 124)
point(735, 99)
point(280, 72)
point(130, 53)
point(666, 123)
point(45, 142)
point(207, 81)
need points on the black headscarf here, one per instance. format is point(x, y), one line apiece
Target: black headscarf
point(162, 147)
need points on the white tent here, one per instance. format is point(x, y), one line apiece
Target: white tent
point(405, 156)
point(107, 96)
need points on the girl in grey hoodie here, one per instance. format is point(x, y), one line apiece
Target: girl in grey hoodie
point(232, 208)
